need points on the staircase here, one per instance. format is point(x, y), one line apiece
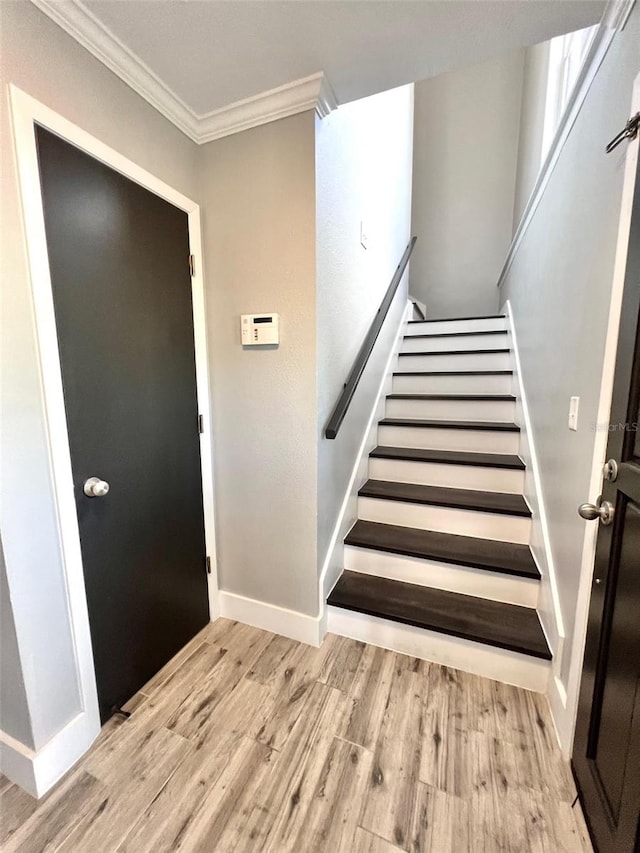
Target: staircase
point(438, 564)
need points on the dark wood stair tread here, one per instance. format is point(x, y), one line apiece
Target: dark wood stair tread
point(507, 558)
point(498, 426)
point(450, 457)
point(461, 319)
point(458, 334)
point(506, 626)
point(454, 352)
point(453, 373)
point(502, 503)
point(507, 398)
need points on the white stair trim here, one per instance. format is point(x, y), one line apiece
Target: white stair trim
point(406, 382)
point(549, 611)
point(416, 343)
point(446, 519)
point(422, 571)
point(418, 361)
point(451, 410)
point(440, 327)
point(444, 438)
point(467, 655)
point(447, 475)
point(333, 562)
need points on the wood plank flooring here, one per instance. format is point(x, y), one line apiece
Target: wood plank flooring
point(248, 741)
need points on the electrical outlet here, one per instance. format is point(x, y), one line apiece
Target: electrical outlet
point(364, 235)
point(574, 405)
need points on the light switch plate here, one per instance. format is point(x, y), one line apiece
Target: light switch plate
point(574, 405)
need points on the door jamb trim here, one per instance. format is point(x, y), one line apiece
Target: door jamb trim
point(25, 112)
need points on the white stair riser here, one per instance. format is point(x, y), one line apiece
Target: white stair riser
point(482, 441)
point(452, 410)
point(477, 658)
point(450, 384)
point(459, 361)
point(454, 578)
point(494, 324)
point(452, 476)
point(417, 343)
point(444, 519)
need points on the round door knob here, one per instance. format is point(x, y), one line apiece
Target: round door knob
point(601, 510)
point(94, 487)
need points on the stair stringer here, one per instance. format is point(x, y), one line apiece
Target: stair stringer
point(333, 564)
point(549, 611)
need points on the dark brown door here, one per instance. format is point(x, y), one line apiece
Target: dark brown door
point(119, 261)
point(606, 757)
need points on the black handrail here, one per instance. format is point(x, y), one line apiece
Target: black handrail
point(346, 395)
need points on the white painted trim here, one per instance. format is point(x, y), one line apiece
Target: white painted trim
point(38, 770)
point(309, 93)
point(477, 658)
point(554, 627)
point(613, 20)
point(358, 475)
point(465, 580)
point(271, 617)
point(565, 719)
point(25, 110)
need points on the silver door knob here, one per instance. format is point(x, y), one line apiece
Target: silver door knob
point(602, 510)
point(94, 487)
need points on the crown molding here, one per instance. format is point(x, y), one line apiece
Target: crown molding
point(309, 93)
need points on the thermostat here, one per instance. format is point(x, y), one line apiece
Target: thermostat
point(256, 329)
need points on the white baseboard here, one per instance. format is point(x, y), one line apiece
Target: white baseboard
point(333, 562)
point(540, 541)
point(563, 721)
point(479, 659)
point(38, 770)
point(270, 617)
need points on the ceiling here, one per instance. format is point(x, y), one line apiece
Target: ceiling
point(208, 54)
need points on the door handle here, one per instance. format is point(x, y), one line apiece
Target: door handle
point(94, 487)
point(602, 510)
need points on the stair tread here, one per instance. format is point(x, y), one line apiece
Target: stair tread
point(493, 397)
point(450, 457)
point(502, 503)
point(430, 353)
point(453, 373)
point(507, 626)
point(457, 334)
point(461, 319)
point(499, 426)
point(506, 558)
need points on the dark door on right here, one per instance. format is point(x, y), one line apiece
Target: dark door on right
point(606, 756)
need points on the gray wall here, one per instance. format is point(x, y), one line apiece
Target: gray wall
point(363, 172)
point(465, 149)
point(38, 57)
point(258, 189)
point(14, 713)
point(559, 288)
point(534, 92)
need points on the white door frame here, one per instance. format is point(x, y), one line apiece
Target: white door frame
point(25, 113)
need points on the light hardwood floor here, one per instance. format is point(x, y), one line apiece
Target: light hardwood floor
point(247, 741)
